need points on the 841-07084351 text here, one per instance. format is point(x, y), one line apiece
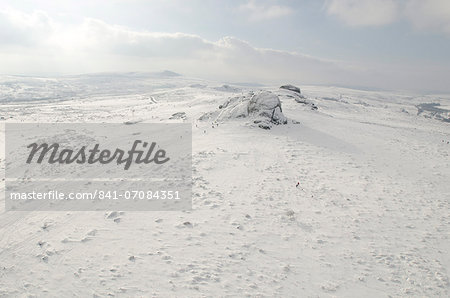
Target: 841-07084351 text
point(98, 195)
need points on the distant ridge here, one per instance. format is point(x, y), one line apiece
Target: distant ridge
point(168, 73)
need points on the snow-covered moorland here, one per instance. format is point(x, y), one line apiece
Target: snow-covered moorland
point(370, 215)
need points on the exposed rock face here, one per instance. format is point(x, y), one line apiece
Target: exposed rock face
point(291, 88)
point(267, 105)
point(264, 108)
point(433, 110)
point(293, 92)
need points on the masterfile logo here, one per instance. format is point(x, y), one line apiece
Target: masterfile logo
point(52, 154)
point(106, 166)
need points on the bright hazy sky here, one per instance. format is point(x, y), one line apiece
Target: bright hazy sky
point(388, 44)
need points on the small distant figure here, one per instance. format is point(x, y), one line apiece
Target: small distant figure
point(298, 183)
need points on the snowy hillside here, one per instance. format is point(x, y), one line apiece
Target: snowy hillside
point(370, 215)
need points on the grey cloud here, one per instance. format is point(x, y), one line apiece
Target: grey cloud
point(95, 46)
point(122, 41)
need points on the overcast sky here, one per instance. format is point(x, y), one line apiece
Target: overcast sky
point(387, 44)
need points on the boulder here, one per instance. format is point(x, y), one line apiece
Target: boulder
point(267, 105)
point(291, 88)
point(263, 108)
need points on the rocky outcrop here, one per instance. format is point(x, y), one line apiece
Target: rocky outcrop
point(291, 88)
point(263, 108)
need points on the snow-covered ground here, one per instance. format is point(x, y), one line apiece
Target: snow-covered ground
point(371, 215)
